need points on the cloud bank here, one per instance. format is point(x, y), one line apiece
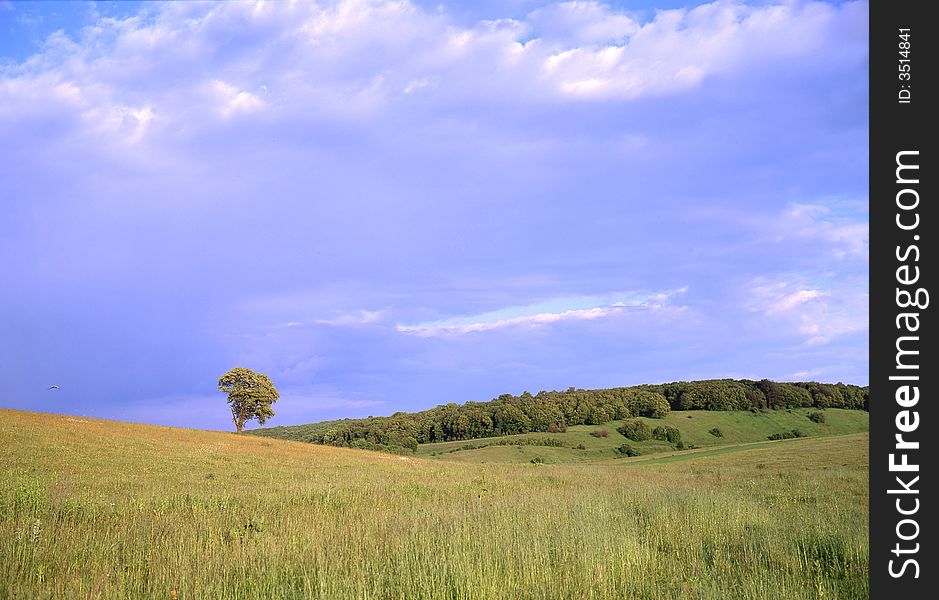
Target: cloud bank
point(386, 206)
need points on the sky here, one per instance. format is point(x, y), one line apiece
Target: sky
point(387, 206)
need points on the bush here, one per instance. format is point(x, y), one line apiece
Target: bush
point(635, 430)
point(716, 432)
point(532, 441)
point(537, 461)
point(818, 417)
point(464, 447)
point(599, 433)
point(787, 435)
point(580, 447)
point(667, 433)
point(627, 450)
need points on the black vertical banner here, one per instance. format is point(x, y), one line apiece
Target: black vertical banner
point(904, 375)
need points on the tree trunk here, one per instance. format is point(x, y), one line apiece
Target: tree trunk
point(239, 424)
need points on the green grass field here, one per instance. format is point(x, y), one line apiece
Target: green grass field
point(737, 427)
point(98, 509)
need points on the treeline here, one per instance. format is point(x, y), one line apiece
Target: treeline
point(743, 394)
point(554, 411)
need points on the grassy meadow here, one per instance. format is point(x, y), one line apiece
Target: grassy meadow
point(99, 509)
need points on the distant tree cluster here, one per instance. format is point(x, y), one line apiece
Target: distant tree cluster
point(744, 394)
point(506, 415)
point(556, 410)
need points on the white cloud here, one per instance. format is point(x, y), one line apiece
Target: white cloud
point(537, 319)
point(354, 60)
point(582, 23)
point(830, 229)
point(793, 300)
point(807, 374)
point(847, 236)
point(359, 317)
point(532, 317)
point(232, 101)
point(818, 314)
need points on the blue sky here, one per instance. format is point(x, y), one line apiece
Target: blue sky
point(387, 206)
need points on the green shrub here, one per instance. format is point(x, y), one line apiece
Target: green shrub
point(635, 430)
point(818, 417)
point(667, 433)
point(787, 435)
point(716, 432)
point(465, 447)
point(532, 441)
point(627, 450)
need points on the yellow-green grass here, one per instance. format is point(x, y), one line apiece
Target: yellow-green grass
point(736, 427)
point(99, 509)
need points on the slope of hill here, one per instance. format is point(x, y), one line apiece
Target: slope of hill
point(99, 509)
point(579, 444)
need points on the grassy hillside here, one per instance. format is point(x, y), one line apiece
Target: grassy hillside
point(736, 427)
point(98, 509)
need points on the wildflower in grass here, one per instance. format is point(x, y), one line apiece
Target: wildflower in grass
point(36, 531)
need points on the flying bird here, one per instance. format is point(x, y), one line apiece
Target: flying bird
point(53, 387)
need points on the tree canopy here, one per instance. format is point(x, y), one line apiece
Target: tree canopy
point(250, 395)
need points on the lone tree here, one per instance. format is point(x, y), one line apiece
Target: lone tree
point(250, 395)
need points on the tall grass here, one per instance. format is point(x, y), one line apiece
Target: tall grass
point(109, 510)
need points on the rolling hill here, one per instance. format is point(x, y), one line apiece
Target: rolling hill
point(548, 412)
point(736, 427)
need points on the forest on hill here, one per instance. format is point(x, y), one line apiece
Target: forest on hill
point(556, 410)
